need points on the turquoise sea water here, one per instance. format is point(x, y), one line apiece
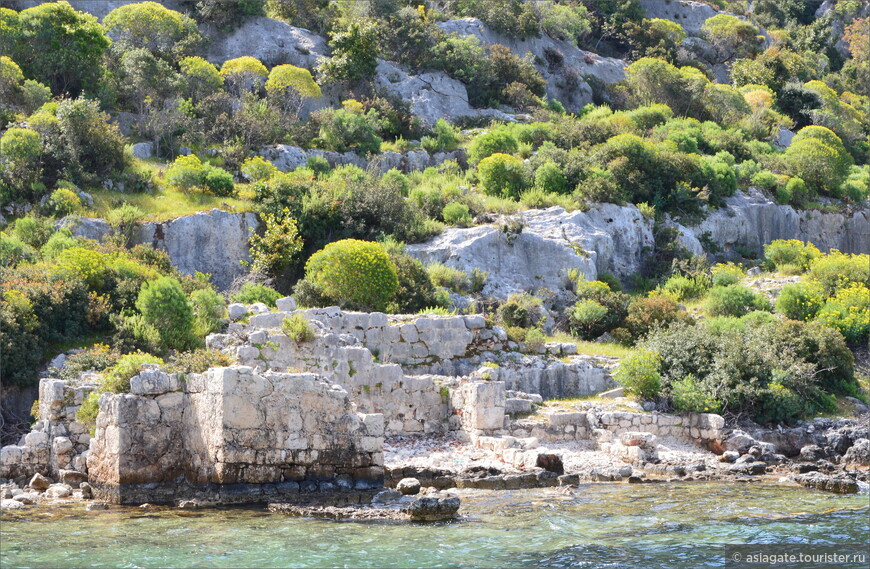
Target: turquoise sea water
point(685, 525)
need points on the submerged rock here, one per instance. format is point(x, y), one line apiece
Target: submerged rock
point(839, 484)
point(430, 509)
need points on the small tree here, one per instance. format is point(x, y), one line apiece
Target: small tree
point(201, 78)
point(639, 374)
point(355, 273)
point(288, 87)
point(165, 33)
point(354, 53)
point(277, 247)
point(164, 306)
point(244, 74)
point(731, 36)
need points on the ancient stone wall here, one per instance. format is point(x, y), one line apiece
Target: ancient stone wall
point(703, 428)
point(232, 435)
point(57, 442)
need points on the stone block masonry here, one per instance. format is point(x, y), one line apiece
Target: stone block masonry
point(232, 436)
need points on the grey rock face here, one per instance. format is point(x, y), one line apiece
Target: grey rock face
point(605, 238)
point(752, 220)
point(272, 42)
point(690, 15)
point(143, 150)
point(566, 68)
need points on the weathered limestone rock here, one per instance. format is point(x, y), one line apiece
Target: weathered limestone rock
point(143, 150)
point(858, 455)
point(271, 41)
point(408, 486)
point(752, 220)
point(236, 311)
point(11, 505)
point(690, 15)
point(607, 237)
point(39, 482)
point(208, 241)
point(59, 491)
point(567, 69)
point(431, 509)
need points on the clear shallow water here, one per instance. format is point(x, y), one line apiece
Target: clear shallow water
point(601, 525)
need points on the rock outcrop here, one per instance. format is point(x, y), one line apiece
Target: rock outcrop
point(271, 41)
point(211, 242)
point(752, 220)
point(569, 71)
point(690, 15)
point(287, 158)
point(552, 242)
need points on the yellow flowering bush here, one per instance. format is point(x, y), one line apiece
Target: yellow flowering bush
point(354, 273)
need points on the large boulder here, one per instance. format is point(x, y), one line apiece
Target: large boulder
point(271, 41)
point(566, 68)
point(607, 237)
point(431, 95)
point(858, 455)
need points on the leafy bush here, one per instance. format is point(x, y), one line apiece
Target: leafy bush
point(87, 413)
point(257, 169)
point(297, 328)
point(124, 222)
point(502, 175)
point(86, 265)
point(849, 312)
point(164, 306)
point(792, 253)
point(416, 290)
point(734, 300)
point(521, 310)
point(117, 378)
point(800, 301)
point(726, 274)
point(196, 361)
point(251, 293)
point(218, 181)
point(456, 213)
point(185, 173)
point(494, 142)
point(279, 244)
point(97, 358)
point(685, 288)
point(448, 277)
point(688, 395)
point(32, 230)
point(208, 308)
point(549, 178)
point(638, 374)
point(354, 273)
point(350, 128)
point(444, 138)
point(588, 317)
point(63, 202)
point(645, 314)
point(838, 270)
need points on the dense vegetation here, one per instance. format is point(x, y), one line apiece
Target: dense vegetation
point(668, 138)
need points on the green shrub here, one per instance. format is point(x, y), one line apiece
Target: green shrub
point(13, 251)
point(87, 413)
point(117, 378)
point(134, 333)
point(448, 277)
point(318, 164)
point(456, 213)
point(444, 138)
point(800, 301)
point(208, 308)
point(218, 181)
point(638, 374)
point(689, 395)
point(297, 328)
point(196, 361)
point(521, 310)
point(277, 247)
point(487, 144)
point(124, 222)
point(550, 179)
point(685, 288)
point(791, 252)
point(838, 270)
point(86, 265)
point(725, 274)
point(587, 319)
point(97, 358)
point(350, 128)
point(645, 314)
point(251, 293)
point(63, 202)
point(164, 306)
point(258, 169)
point(734, 300)
point(32, 230)
point(534, 340)
point(185, 173)
point(849, 312)
point(354, 273)
point(502, 175)
point(765, 180)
